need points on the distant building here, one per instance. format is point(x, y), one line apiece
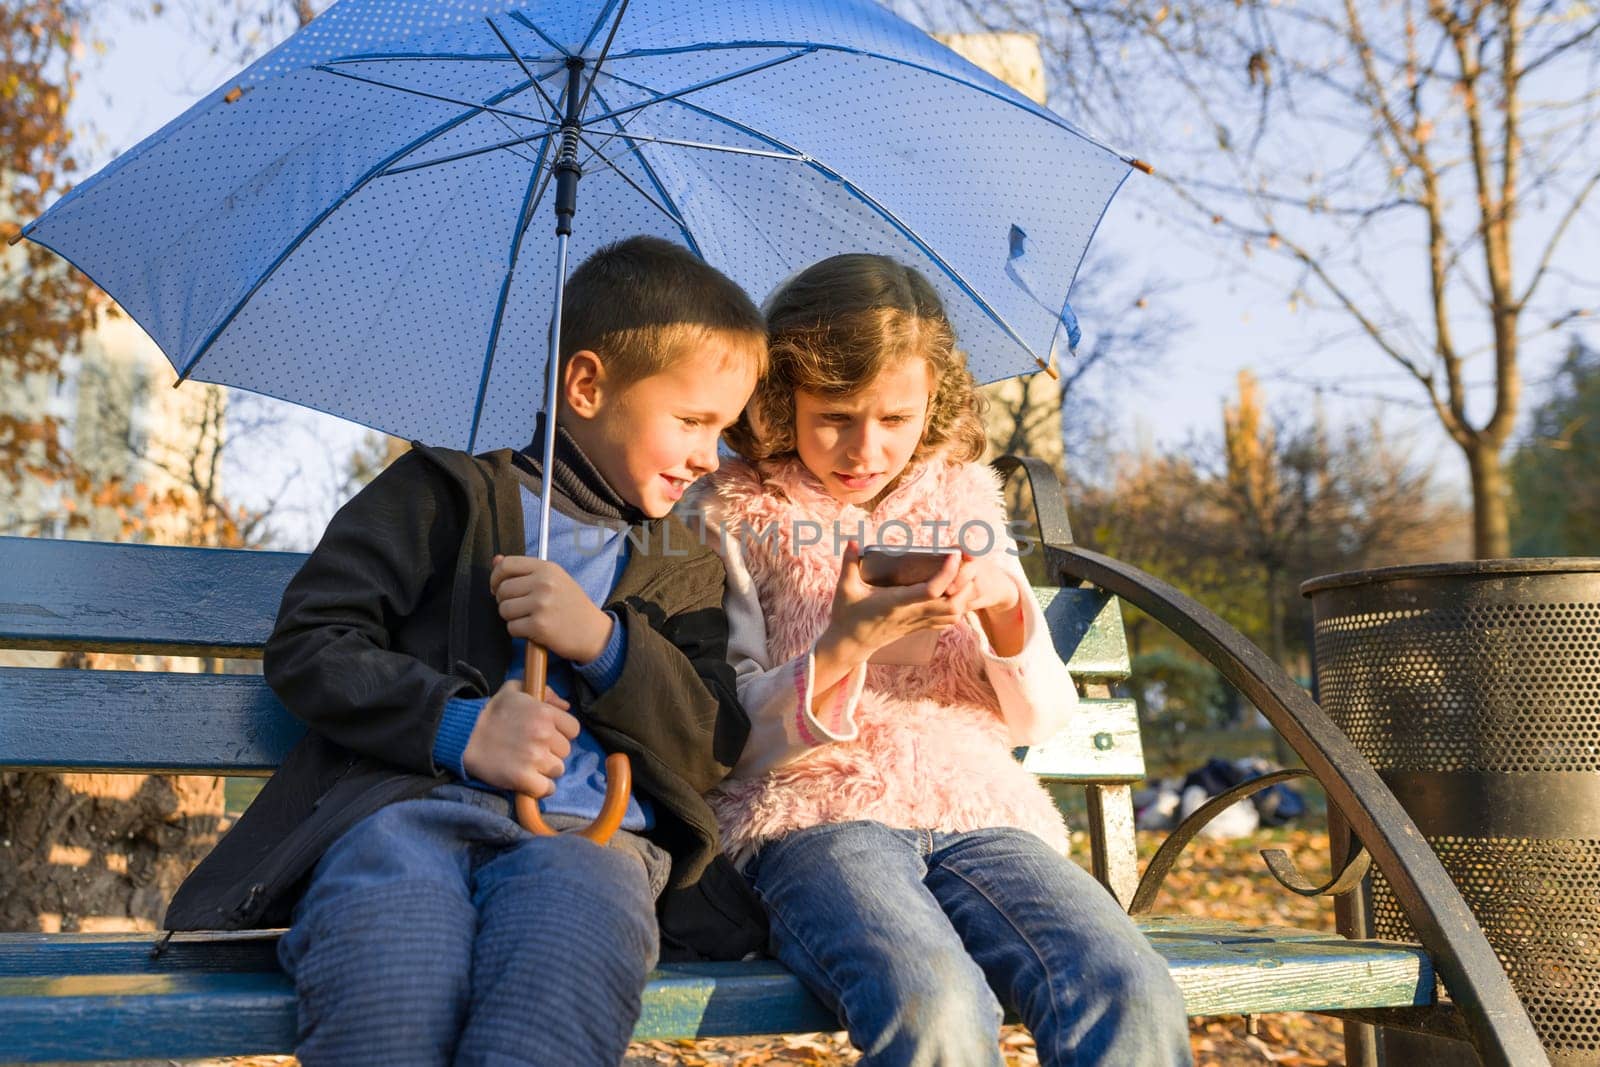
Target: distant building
point(144, 445)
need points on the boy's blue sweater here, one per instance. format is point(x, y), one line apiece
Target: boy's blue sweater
point(594, 554)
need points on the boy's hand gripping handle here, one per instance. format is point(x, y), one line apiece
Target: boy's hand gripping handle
point(619, 773)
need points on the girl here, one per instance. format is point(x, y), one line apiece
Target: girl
point(914, 872)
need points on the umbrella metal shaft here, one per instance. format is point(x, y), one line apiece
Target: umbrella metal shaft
point(619, 774)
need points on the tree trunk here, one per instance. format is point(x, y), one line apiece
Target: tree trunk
point(99, 852)
point(1491, 526)
point(1277, 648)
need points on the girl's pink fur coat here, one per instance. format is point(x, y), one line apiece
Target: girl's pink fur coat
point(932, 750)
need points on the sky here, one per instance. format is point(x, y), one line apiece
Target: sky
point(151, 69)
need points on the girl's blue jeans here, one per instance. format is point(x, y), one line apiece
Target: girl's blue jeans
point(438, 931)
point(918, 939)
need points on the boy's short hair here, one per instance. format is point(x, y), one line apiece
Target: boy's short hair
point(636, 301)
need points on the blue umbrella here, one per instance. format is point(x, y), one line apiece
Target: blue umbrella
point(345, 224)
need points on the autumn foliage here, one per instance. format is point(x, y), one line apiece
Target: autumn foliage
point(45, 306)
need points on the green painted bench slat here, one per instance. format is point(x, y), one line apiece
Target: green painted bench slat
point(134, 721)
point(180, 1007)
point(70, 595)
point(1087, 627)
point(1261, 977)
point(1100, 743)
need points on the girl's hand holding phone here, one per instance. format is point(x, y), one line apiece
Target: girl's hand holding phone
point(981, 586)
point(865, 618)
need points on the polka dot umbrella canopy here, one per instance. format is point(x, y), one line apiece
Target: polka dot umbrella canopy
point(361, 221)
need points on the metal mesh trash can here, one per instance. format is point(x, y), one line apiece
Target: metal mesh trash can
point(1474, 688)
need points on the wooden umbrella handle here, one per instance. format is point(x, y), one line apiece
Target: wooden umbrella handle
point(619, 773)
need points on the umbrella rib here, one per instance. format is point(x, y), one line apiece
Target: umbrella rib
point(457, 101)
point(533, 209)
point(469, 153)
point(361, 183)
point(520, 17)
point(616, 24)
point(1023, 105)
point(719, 80)
point(646, 138)
point(595, 154)
point(655, 179)
point(598, 22)
point(867, 199)
point(355, 59)
point(529, 201)
point(555, 110)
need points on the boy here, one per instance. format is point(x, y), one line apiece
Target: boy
point(427, 926)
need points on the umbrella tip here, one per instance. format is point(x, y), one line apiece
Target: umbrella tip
point(16, 237)
point(1049, 367)
point(232, 95)
point(1139, 164)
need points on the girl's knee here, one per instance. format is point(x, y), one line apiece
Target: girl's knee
point(1140, 990)
point(965, 1012)
point(932, 995)
point(929, 1022)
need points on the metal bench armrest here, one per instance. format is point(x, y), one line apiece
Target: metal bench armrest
point(1500, 1026)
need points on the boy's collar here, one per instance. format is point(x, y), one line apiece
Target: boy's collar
point(576, 478)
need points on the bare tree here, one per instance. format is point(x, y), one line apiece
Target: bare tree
point(1299, 499)
point(1240, 518)
point(1426, 168)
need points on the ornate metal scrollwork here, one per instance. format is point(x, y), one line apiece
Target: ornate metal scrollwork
point(1355, 868)
point(1278, 862)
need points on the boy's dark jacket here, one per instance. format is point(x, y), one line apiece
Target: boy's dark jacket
point(391, 615)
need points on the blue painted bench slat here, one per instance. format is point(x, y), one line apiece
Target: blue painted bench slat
point(87, 1013)
point(147, 721)
point(71, 595)
point(25, 955)
point(172, 723)
point(160, 599)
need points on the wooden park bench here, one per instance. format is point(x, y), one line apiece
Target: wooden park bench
point(103, 996)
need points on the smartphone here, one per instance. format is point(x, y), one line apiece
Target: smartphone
point(902, 565)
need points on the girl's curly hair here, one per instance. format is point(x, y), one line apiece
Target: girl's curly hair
point(832, 328)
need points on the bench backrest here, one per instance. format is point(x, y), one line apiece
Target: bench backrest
point(77, 596)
